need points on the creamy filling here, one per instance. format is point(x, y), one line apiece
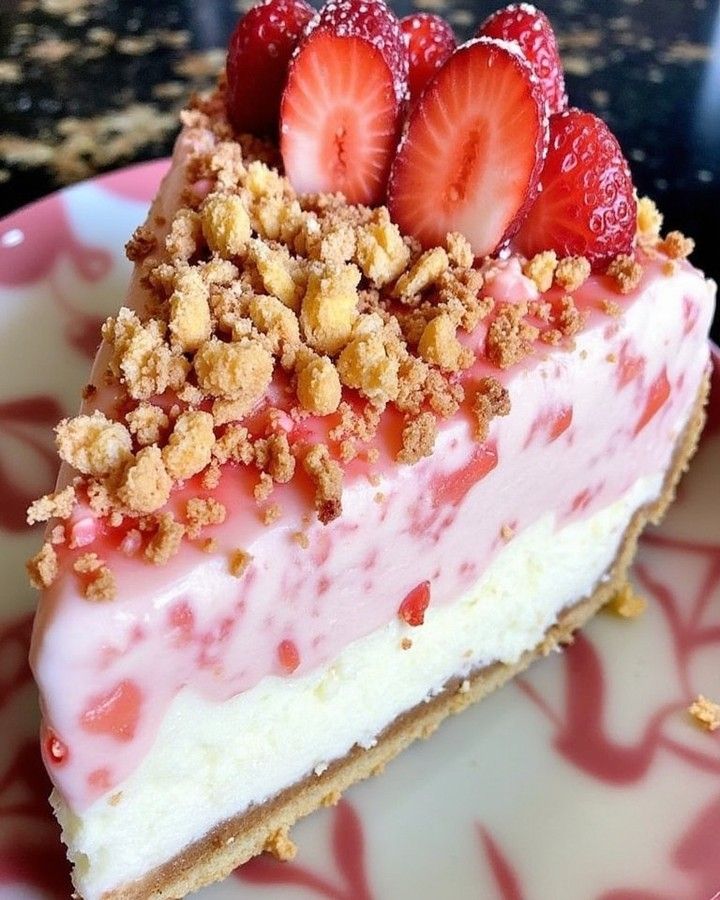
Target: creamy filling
point(213, 760)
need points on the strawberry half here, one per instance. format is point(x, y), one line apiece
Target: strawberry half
point(430, 41)
point(473, 149)
point(587, 205)
point(341, 110)
point(531, 29)
point(258, 57)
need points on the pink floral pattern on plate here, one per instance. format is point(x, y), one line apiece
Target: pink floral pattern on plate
point(585, 780)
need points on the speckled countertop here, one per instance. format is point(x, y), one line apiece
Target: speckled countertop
point(89, 85)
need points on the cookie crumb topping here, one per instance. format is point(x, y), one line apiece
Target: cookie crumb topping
point(626, 272)
point(627, 603)
point(706, 713)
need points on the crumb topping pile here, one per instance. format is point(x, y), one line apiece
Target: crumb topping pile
point(260, 300)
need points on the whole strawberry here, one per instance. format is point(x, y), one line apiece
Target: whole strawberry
point(430, 41)
point(531, 29)
point(586, 206)
point(258, 56)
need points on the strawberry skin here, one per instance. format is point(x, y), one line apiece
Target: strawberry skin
point(473, 149)
point(587, 205)
point(531, 29)
point(258, 56)
point(341, 110)
point(430, 41)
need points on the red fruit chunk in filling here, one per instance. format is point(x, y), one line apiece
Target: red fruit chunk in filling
point(340, 113)
point(451, 489)
point(412, 609)
point(55, 750)
point(257, 62)
point(473, 149)
point(115, 713)
point(430, 41)
point(658, 395)
point(586, 206)
point(531, 29)
point(289, 655)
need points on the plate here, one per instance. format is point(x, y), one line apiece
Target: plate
point(584, 780)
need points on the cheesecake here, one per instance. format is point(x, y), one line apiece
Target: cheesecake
point(400, 376)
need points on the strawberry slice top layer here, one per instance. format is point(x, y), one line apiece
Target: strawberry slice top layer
point(340, 112)
point(471, 156)
point(430, 40)
point(258, 56)
point(587, 204)
point(532, 31)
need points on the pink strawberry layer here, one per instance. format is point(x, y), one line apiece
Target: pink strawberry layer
point(587, 421)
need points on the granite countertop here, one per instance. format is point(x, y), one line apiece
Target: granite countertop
point(90, 85)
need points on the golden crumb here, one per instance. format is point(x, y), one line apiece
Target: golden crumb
point(676, 245)
point(58, 505)
point(459, 250)
point(190, 325)
point(327, 478)
point(225, 224)
point(99, 581)
point(189, 447)
point(241, 370)
point(271, 513)
point(42, 569)
point(264, 488)
point(572, 272)
point(381, 252)
point(273, 454)
point(239, 561)
point(276, 271)
point(541, 269)
point(507, 532)
point(141, 244)
point(627, 604)
point(418, 438)
point(509, 338)
point(491, 399)
point(140, 359)
point(234, 446)
point(406, 643)
point(706, 713)
point(331, 799)
point(329, 307)
point(370, 362)
point(165, 543)
point(649, 221)
point(426, 271)
point(275, 320)
point(93, 444)
point(439, 345)
point(201, 513)
point(209, 545)
point(58, 535)
point(318, 386)
point(145, 484)
point(146, 423)
point(626, 271)
point(301, 539)
point(184, 235)
point(669, 268)
point(611, 308)
point(569, 319)
point(280, 846)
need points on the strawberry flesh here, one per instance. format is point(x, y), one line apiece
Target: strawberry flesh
point(430, 41)
point(587, 205)
point(341, 109)
point(412, 609)
point(258, 57)
point(473, 149)
point(531, 29)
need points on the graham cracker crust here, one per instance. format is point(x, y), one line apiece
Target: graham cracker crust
point(238, 839)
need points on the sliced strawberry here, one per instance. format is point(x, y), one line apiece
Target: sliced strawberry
point(531, 29)
point(257, 62)
point(586, 206)
point(430, 41)
point(473, 149)
point(341, 109)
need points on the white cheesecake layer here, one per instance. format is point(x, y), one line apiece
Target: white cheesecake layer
point(213, 760)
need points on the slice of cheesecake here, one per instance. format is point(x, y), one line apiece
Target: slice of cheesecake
point(332, 481)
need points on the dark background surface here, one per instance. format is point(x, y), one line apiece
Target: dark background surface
point(89, 85)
